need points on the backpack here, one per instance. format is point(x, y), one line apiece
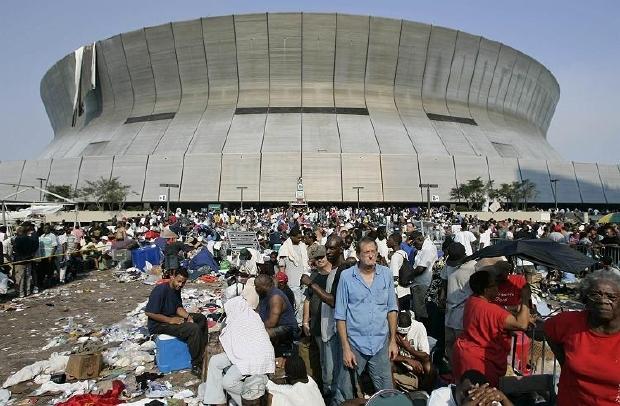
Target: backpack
point(405, 273)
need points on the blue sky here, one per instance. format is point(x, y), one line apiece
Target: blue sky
point(577, 40)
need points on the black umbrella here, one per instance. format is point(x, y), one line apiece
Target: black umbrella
point(543, 252)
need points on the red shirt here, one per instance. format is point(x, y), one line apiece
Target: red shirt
point(591, 371)
point(483, 345)
point(509, 292)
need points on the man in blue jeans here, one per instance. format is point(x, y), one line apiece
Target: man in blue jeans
point(366, 315)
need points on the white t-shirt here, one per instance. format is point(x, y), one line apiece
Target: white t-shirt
point(426, 258)
point(294, 272)
point(382, 248)
point(465, 238)
point(442, 397)
point(485, 238)
point(418, 338)
point(395, 263)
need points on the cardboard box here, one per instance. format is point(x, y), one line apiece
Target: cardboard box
point(84, 366)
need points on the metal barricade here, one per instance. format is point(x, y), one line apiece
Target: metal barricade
point(534, 365)
point(531, 355)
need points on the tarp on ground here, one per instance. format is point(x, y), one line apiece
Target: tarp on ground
point(203, 258)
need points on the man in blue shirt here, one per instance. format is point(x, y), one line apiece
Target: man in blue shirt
point(366, 315)
point(166, 315)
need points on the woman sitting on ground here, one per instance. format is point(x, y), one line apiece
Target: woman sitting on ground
point(587, 344)
point(483, 345)
point(299, 390)
point(248, 355)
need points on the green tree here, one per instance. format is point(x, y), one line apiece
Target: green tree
point(474, 192)
point(104, 192)
point(65, 191)
point(507, 192)
point(527, 191)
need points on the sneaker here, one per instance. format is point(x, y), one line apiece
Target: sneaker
point(21, 295)
point(35, 291)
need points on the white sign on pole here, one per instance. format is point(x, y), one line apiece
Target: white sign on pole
point(163, 198)
point(435, 198)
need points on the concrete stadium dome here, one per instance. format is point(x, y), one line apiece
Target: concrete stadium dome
point(342, 101)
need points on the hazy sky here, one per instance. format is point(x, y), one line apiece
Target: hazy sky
point(577, 40)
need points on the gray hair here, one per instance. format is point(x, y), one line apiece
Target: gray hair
point(592, 279)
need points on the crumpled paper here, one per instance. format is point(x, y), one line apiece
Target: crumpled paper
point(55, 364)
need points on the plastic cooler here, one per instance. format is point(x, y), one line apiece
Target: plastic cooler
point(139, 256)
point(171, 354)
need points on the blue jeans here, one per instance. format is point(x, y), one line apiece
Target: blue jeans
point(331, 359)
point(379, 369)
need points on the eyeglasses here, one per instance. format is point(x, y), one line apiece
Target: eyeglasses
point(597, 296)
point(321, 257)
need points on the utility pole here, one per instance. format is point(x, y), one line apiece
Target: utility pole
point(358, 188)
point(41, 187)
point(168, 185)
point(554, 183)
point(428, 187)
point(242, 188)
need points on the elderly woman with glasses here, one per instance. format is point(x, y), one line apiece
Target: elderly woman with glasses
point(587, 344)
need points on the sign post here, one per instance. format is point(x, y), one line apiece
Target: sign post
point(428, 187)
point(168, 185)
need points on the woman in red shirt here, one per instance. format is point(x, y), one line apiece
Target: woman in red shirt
point(483, 345)
point(587, 344)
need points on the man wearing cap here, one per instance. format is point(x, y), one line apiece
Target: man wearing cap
point(312, 313)
point(171, 251)
point(457, 274)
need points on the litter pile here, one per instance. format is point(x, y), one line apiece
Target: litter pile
point(110, 365)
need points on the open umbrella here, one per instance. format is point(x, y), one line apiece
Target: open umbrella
point(610, 218)
point(542, 252)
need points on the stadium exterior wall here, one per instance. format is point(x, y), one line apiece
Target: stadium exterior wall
point(340, 100)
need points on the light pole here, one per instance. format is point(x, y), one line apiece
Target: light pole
point(554, 183)
point(41, 187)
point(168, 185)
point(358, 188)
point(242, 188)
point(428, 187)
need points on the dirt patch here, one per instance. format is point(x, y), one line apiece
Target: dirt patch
point(94, 301)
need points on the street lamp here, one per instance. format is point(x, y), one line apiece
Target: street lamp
point(41, 187)
point(554, 183)
point(168, 185)
point(358, 188)
point(242, 188)
point(428, 187)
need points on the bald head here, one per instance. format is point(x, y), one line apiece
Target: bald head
point(263, 284)
point(334, 247)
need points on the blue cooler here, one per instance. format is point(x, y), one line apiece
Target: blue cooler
point(171, 354)
point(139, 256)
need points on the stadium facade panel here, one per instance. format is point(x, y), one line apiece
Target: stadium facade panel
point(341, 101)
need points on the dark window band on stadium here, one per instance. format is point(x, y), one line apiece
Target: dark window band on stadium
point(150, 117)
point(451, 119)
point(317, 110)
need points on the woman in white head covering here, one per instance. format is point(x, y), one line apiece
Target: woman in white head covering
point(247, 352)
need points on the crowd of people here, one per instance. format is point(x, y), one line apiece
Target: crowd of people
point(380, 298)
